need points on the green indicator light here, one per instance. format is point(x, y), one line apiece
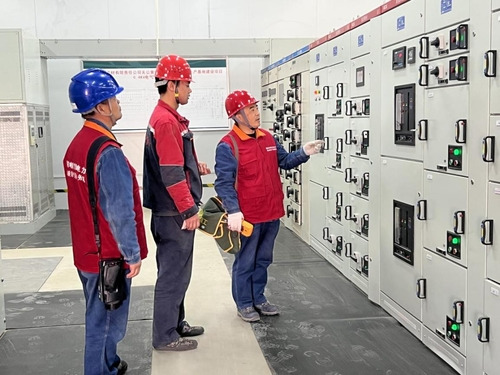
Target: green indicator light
point(461, 69)
point(454, 327)
point(455, 241)
point(456, 152)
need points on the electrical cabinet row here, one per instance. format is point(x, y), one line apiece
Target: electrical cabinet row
point(26, 190)
point(285, 106)
point(404, 198)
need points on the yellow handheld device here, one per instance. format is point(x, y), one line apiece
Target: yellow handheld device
point(246, 228)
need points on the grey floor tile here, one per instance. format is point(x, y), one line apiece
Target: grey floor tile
point(27, 275)
point(59, 350)
point(65, 308)
point(56, 233)
point(301, 345)
point(14, 241)
point(315, 290)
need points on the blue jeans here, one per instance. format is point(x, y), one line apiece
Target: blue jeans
point(174, 260)
point(104, 329)
point(250, 265)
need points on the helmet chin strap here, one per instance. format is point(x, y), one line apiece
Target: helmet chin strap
point(110, 115)
point(245, 121)
point(177, 92)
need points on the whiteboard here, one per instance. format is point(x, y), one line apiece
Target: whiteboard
point(205, 109)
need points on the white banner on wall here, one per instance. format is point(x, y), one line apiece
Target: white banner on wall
point(205, 110)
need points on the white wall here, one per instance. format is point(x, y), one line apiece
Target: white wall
point(296, 21)
point(180, 19)
point(244, 73)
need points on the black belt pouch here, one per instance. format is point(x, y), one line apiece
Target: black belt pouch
point(112, 287)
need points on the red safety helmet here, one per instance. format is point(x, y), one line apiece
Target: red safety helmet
point(173, 68)
point(238, 100)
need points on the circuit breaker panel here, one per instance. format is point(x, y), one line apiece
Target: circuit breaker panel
point(340, 175)
point(286, 109)
point(487, 321)
point(404, 196)
point(329, 193)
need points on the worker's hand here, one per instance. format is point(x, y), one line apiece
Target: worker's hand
point(203, 168)
point(134, 269)
point(234, 221)
point(313, 147)
point(191, 223)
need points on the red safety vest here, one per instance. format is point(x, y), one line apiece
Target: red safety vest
point(260, 194)
point(82, 226)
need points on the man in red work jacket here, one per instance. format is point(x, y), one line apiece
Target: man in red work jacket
point(120, 229)
point(248, 182)
point(172, 190)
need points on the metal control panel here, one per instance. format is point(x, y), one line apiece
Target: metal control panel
point(408, 104)
point(290, 106)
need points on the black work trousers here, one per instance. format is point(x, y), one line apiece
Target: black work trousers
point(174, 260)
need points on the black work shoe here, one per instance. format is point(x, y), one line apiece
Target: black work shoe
point(188, 331)
point(122, 367)
point(179, 345)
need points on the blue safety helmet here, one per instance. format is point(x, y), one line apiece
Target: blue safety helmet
point(91, 87)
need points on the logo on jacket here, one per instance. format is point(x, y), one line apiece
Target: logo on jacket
point(270, 148)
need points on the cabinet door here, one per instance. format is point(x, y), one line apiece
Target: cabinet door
point(445, 288)
point(445, 229)
point(495, 81)
point(318, 205)
point(493, 251)
point(360, 76)
point(399, 90)
point(444, 108)
point(403, 183)
point(492, 311)
point(439, 13)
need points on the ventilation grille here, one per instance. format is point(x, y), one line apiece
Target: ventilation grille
point(15, 189)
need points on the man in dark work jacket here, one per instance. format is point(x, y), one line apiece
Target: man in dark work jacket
point(172, 190)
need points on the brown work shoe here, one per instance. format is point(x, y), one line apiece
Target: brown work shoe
point(267, 309)
point(179, 345)
point(248, 314)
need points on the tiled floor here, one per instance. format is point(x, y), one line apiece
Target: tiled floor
point(327, 325)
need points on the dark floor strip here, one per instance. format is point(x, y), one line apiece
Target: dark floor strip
point(328, 326)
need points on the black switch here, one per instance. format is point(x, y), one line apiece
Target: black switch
point(435, 71)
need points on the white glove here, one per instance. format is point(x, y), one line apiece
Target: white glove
point(234, 221)
point(313, 147)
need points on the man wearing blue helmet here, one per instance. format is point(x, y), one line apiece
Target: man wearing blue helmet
point(105, 217)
